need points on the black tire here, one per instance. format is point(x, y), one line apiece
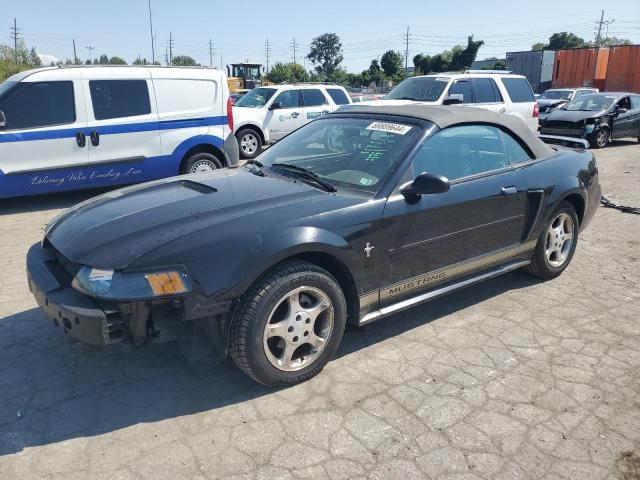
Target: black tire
point(247, 344)
point(541, 266)
point(253, 144)
point(200, 162)
point(599, 138)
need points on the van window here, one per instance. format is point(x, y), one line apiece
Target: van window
point(486, 90)
point(184, 96)
point(519, 90)
point(338, 96)
point(289, 99)
point(119, 98)
point(313, 97)
point(39, 104)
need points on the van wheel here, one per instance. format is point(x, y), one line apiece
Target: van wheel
point(600, 138)
point(200, 163)
point(289, 325)
point(250, 142)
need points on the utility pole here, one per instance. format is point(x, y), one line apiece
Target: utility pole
point(221, 66)
point(90, 48)
point(406, 53)
point(75, 57)
point(211, 50)
point(293, 46)
point(166, 56)
point(153, 49)
point(15, 34)
point(170, 43)
point(598, 36)
point(267, 52)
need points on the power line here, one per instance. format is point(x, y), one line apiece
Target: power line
point(153, 49)
point(267, 53)
point(170, 43)
point(599, 25)
point(293, 46)
point(406, 53)
point(90, 48)
point(15, 34)
point(211, 50)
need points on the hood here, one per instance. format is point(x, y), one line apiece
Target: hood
point(571, 116)
point(550, 102)
point(113, 230)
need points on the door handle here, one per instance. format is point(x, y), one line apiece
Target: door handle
point(95, 138)
point(81, 138)
point(509, 190)
point(295, 114)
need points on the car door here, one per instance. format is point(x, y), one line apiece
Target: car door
point(635, 106)
point(623, 121)
point(487, 95)
point(288, 116)
point(477, 223)
point(124, 129)
point(44, 135)
point(314, 104)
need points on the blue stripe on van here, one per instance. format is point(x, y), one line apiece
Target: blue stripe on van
point(54, 134)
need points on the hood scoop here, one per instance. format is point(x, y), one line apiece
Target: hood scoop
point(197, 187)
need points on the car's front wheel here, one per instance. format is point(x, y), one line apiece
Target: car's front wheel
point(289, 325)
point(556, 244)
point(250, 142)
point(600, 138)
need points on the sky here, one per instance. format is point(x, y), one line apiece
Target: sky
point(239, 31)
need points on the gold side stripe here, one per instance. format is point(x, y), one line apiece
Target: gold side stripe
point(426, 280)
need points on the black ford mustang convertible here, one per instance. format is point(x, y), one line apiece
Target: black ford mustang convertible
point(355, 216)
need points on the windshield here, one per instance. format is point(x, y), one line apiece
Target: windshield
point(347, 152)
point(557, 94)
point(256, 98)
point(425, 89)
point(590, 103)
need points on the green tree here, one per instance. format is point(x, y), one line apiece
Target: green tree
point(326, 55)
point(376, 75)
point(184, 61)
point(562, 40)
point(539, 46)
point(103, 60)
point(611, 41)
point(286, 72)
point(117, 61)
point(11, 63)
point(462, 58)
point(392, 63)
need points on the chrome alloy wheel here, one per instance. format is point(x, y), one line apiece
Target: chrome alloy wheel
point(249, 144)
point(559, 240)
point(602, 137)
point(298, 329)
point(202, 166)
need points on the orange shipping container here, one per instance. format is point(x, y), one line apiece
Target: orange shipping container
point(623, 71)
point(580, 67)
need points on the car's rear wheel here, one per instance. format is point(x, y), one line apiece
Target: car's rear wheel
point(289, 325)
point(200, 163)
point(556, 244)
point(600, 138)
point(250, 142)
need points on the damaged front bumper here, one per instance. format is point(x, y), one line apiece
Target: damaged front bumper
point(99, 322)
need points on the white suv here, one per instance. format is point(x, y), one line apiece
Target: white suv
point(266, 114)
point(495, 90)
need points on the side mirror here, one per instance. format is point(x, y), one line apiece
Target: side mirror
point(425, 184)
point(3, 120)
point(454, 99)
point(275, 106)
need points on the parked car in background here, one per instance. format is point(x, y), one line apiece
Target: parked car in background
point(498, 91)
point(352, 218)
point(78, 127)
point(557, 97)
point(266, 114)
point(598, 118)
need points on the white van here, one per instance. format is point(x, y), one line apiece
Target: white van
point(66, 128)
point(496, 90)
point(266, 114)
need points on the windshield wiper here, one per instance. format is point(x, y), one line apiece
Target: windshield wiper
point(328, 186)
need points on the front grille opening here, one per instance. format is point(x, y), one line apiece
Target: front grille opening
point(197, 187)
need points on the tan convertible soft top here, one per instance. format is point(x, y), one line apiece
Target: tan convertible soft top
point(447, 116)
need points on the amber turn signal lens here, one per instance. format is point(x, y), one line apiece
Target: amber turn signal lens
point(166, 283)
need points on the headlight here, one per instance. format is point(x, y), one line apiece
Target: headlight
point(131, 286)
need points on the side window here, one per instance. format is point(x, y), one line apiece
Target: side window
point(119, 98)
point(486, 90)
point(462, 87)
point(518, 89)
point(635, 102)
point(40, 104)
point(289, 99)
point(338, 96)
point(461, 151)
point(514, 151)
point(624, 103)
point(313, 97)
